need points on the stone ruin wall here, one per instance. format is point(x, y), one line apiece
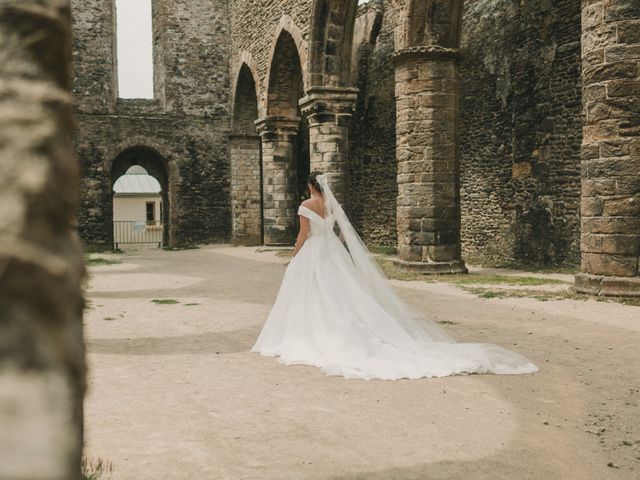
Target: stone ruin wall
point(521, 131)
point(520, 138)
point(372, 156)
point(187, 123)
point(254, 26)
point(520, 109)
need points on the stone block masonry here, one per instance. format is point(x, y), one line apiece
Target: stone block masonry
point(246, 184)
point(372, 165)
point(489, 161)
point(183, 129)
point(280, 203)
point(427, 89)
point(521, 131)
point(610, 228)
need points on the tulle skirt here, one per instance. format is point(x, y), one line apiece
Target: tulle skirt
point(324, 316)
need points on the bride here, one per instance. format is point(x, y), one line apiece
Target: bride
point(336, 311)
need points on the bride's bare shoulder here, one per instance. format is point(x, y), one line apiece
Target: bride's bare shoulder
point(314, 205)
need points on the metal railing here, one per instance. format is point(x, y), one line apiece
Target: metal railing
point(137, 232)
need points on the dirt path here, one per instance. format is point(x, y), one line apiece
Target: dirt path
point(174, 393)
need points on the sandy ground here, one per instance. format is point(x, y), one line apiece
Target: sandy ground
point(174, 393)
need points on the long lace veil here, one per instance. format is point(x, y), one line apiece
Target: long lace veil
point(418, 327)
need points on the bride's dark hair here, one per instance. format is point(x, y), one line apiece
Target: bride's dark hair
point(313, 181)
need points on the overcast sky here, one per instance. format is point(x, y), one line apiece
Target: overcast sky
point(135, 50)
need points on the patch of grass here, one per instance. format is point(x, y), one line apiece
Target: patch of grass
point(527, 267)
point(95, 469)
point(165, 301)
point(447, 322)
point(540, 295)
point(383, 249)
point(191, 304)
point(395, 273)
point(98, 261)
point(544, 296)
point(495, 262)
point(180, 247)
point(109, 319)
point(392, 272)
point(117, 251)
point(472, 283)
point(491, 294)
point(500, 279)
point(634, 302)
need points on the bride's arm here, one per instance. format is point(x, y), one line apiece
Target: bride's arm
point(302, 235)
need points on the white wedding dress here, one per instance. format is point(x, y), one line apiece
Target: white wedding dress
point(336, 311)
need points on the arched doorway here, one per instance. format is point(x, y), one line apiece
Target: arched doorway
point(330, 96)
point(140, 213)
point(285, 142)
point(246, 163)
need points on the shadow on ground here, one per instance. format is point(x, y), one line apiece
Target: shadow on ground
point(236, 341)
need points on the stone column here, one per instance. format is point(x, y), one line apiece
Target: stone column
point(279, 202)
point(610, 210)
point(427, 91)
point(42, 364)
point(329, 110)
point(246, 188)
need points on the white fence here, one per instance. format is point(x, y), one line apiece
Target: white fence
point(137, 232)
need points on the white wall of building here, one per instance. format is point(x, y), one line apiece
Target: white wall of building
point(130, 208)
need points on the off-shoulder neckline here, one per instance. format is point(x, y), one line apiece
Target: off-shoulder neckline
point(316, 214)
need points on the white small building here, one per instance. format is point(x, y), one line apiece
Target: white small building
point(137, 208)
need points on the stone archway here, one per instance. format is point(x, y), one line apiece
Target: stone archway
point(246, 162)
point(332, 28)
point(331, 97)
point(280, 130)
point(157, 167)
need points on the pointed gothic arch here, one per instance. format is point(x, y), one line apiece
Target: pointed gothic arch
point(246, 161)
point(332, 27)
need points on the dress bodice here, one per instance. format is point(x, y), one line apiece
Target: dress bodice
point(317, 223)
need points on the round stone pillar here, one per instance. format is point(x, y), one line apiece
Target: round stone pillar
point(279, 202)
point(610, 209)
point(427, 96)
point(328, 111)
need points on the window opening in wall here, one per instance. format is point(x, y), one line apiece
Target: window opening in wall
point(151, 213)
point(134, 48)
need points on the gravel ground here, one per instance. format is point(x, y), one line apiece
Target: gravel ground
point(175, 394)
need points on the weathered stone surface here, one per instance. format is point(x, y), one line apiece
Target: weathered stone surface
point(279, 185)
point(42, 366)
point(427, 97)
point(184, 128)
point(521, 130)
point(502, 143)
point(372, 162)
point(328, 112)
point(611, 175)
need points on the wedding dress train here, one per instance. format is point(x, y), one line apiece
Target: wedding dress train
point(336, 311)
